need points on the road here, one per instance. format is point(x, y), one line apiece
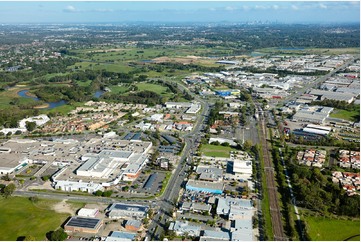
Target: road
point(275, 211)
point(167, 200)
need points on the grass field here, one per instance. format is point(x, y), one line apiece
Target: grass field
point(84, 84)
point(328, 229)
point(216, 150)
point(20, 217)
point(344, 114)
point(119, 89)
point(152, 87)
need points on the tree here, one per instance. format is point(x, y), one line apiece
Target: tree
point(9, 190)
point(30, 126)
point(58, 235)
point(98, 193)
point(29, 238)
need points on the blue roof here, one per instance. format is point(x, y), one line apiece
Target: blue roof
point(150, 181)
point(136, 136)
point(123, 235)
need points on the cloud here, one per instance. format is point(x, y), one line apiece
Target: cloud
point(323, 6)
point(275, 7)
point(294, 7)
point(212, 9)
point(230, 8)
point(70, 9)
point(261, 7)
point(103, 10)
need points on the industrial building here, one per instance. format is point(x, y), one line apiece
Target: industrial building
point(312, 114)
point(209, 173)
point(83, 225)
point(204, 186)
point(234, 207)
point(128, 211)
point(339, 96)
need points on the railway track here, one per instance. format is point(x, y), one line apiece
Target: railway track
point(275, 211)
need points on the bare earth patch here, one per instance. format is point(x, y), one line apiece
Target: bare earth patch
point(63, 207)
point(183, 60)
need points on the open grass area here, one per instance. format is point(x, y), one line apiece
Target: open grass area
point(119, 89)
point(84, 84)
point(159, 89)
point(344, 114)
point(20, 217)
point(216, 150)
point(328, 229)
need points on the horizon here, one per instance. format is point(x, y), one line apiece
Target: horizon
point(286, 12)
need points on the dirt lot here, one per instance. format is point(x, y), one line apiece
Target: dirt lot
point(183, 60)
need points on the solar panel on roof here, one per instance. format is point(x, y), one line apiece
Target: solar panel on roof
point(90, 223)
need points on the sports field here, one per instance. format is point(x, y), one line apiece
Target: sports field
point(20, 217)
point(216, 150)
point(328, 229)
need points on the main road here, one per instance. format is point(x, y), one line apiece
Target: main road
point(167, 200)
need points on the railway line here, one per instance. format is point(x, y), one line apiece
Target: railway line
point(275, 211)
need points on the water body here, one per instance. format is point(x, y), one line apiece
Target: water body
point(98, 93)
point(256, 54)
point(24, 93)
point(147, 61)
point(290, 48)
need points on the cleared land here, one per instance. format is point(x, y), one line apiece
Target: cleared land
point(20, 217)
point(216, 150)
point(328, 229)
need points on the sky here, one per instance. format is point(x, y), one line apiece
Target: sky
point(180, 11)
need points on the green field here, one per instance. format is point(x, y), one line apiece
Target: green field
point(216, 150)
point(152, 87)
point(84, 84)
point(20, 217)
point(328, 229)
point(119, 89)
point(344, 114)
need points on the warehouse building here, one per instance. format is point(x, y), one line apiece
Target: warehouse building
point(209, 173)
point(127, 211)
point(211, 235)
point(83, 225)
point(204, 186)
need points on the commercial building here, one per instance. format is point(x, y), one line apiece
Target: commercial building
point(181, 228)
point(129, 211)
point(121, 236)
point(211, 235)
point(83, 225)
point(204, 186)
point(78, 186)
